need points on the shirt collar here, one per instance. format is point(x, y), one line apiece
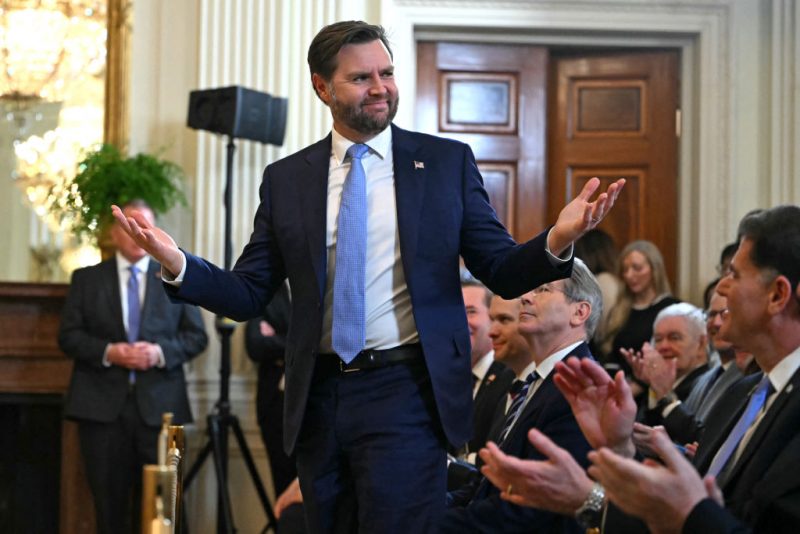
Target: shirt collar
point(784, 370)
point(482, 366)
point(123, 264)
point(546, 366)
point(380, 145)
point(528, 370)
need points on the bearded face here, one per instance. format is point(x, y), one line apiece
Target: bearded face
point(369, 116)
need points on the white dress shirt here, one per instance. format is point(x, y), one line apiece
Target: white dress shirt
point(480, 369)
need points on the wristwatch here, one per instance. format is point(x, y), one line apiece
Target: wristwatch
point(590, 514)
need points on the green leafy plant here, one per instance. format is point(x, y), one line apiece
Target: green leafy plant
point(107, 177)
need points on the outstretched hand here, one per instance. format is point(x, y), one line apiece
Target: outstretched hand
point(604, 408)
point(581, 215)
point(155, 241)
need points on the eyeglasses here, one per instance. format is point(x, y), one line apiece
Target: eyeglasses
point(712, 314)
point(546, 288)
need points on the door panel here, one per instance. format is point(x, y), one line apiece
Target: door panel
point(613, 116)
point(492, 97)
point(609, 115)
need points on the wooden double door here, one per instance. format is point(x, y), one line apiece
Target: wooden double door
point(542, 122)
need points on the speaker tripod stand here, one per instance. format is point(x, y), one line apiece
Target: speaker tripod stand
point(222, 420)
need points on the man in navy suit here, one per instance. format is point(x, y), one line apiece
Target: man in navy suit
point(370, 433)
point(127, 372)
point(557, 319)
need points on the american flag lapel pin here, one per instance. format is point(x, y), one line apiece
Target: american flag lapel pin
point(419, 165)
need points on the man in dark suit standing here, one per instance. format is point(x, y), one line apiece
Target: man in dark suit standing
point(368, 224)
point(557, 319)
point(129, 343)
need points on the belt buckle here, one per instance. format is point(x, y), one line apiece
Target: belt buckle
point(344, 369)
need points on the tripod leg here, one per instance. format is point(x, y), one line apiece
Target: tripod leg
point(198, 463)
point(214, 430)
point(251, 466)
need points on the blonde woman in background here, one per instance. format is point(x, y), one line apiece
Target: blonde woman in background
point(646, 292)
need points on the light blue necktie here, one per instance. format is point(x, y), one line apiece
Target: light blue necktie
point(349, 329)
point(754, 406)
point(134, 312)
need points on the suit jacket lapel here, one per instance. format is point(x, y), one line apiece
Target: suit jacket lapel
point(151, 286)
point(312, 189)
point(768, 421)
point(488, 379)
point(546, 390)
point(110, 283)
point(409, 186)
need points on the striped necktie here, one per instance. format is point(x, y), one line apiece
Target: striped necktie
point(516, 405)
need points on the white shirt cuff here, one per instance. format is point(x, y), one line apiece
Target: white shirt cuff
point(555, 261)
point(167, 276)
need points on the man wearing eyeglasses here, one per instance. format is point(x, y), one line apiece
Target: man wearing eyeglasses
point(556, 319)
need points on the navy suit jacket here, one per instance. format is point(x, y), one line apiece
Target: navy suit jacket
point(549, 412)
point(491, 393)
point(443, 212)
point(92, 318)
point(763, 489)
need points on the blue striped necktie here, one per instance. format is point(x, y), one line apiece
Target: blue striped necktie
point(516, 405)
point(349, 324)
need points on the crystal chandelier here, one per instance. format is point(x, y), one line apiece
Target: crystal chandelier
point(46, 43)
point(52, 78)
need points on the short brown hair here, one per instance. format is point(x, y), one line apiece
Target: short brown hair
point(330, 39)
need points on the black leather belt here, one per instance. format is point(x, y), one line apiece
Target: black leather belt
point(375, 358)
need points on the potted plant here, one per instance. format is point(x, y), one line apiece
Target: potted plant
point(105, 177)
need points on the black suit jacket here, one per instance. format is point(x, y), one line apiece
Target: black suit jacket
point(443, 213)
point(653, 417)
point(549, 412)
point(268, 352)
point(492, 391)
point(762, 491)
point(763, 488)
point(92, 318)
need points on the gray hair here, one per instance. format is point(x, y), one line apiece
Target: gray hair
point(694, 316)
point(582, 286)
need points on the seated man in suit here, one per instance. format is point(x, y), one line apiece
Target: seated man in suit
point(129, 343)
point(684, 423)
point(557, 319)
point(511, 348)
point(679, 357)
point(491, 377)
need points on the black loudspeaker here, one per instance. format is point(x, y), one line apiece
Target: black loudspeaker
point(239, 113)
